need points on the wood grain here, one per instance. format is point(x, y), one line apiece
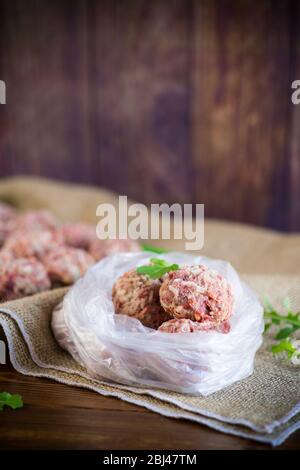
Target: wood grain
point(294, 136)
point(182, 101)
point(56, 416)
point(42, 124)
point(241, 97)
point(141, 98)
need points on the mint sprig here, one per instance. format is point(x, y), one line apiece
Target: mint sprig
point(157, 268)
point(12, 401)
point(288, 324)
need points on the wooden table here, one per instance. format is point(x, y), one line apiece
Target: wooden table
point(57, 416)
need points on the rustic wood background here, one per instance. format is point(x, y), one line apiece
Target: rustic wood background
point(165, 101)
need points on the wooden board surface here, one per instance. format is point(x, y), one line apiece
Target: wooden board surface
point(182, 101)
point(42, 124)
point(240, 108)
point(294, 134)
point(57, 416)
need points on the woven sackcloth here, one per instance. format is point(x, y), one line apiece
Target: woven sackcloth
point(264, 407)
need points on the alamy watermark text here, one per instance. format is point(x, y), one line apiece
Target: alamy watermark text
point(296, 94)
point(2, 92)
point(160, 221)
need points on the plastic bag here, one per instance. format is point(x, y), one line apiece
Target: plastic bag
point(119, 348)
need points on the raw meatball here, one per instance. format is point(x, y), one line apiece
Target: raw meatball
point(78, 235)
point(65, 264)
point(27, 243)
point(6, 257)
point(101, 248)
point(137, 296)
point(184, 325)
point(197, 293)
point(7, 217)
point(22, 277)
point(5, 230)
point(7, 212)
point(36, 220)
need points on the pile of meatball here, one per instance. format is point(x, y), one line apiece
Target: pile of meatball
point(38, 253)
point(190, 299)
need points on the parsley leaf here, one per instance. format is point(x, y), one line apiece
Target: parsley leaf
point(283, 346)
point(289, 323)
point(153, 249)
point(275, 317)
point(13, 401)
point(267, 326)
point(285, 332)
point(157, 268)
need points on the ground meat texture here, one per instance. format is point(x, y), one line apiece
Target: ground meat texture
point(137, 296)
point(7, 212)
point(27, 243)
point(78, 235)
point(4, 231)
point(6, 257)
point(65, 265)
point(184, 325)
point(199, 294)
point(7, 217)
point(36, 220)
point(101, 248)
point(22, 277)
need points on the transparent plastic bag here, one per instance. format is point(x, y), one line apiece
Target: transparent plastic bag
point(119, 348)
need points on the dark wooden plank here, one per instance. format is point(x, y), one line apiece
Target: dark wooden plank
point(56, 416)
point(241, 101)
point(184, 101)
point(141, 98)
point(294, 141)
point(42, 60)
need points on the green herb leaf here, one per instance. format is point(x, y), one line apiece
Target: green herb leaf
point(289, 322)
point(153, 249)
point(157, 268)
point(267, 326)
point(283, 346)
point(285, 332)
point(13, 401)
point(276, 318)
point(159, 262)
point(293, 316)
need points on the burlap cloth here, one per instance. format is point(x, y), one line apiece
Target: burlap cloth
point(264, 407)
